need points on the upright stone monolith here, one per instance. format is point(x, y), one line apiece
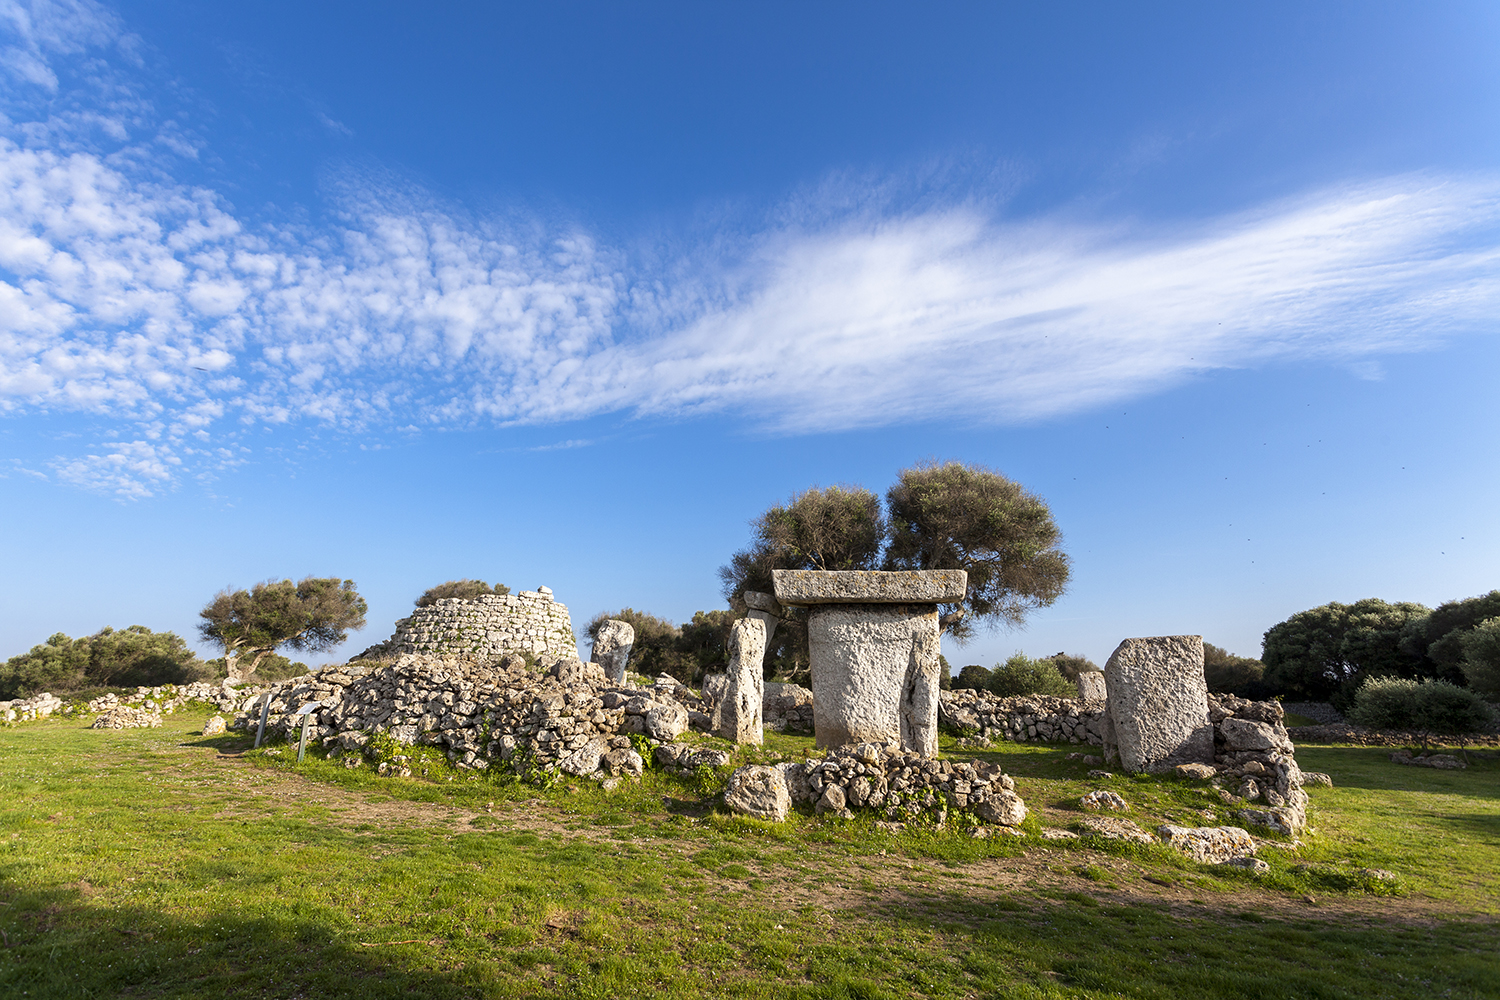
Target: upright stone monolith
point(1091, 685)
point(612, 649)
point(1158, 703)
point(737, 715)
point(919, 696)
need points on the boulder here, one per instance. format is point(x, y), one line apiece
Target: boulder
point(1199, 772)
point(794, 773)
point(666, 722)
point(759, 791)
point(1114, 828)
point(1242, 735)
point(1158, 703)
point(1103, 800)
point(1209, 845)
point(1001, 807)
point(586, 759)
point(612, 649)
point(215, 726)
point(1091, 685)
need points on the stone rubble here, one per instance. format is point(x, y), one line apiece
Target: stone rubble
point(785, 708)
point(1103, 800)
point(38, 706)
point(759, 791)
point(1442, 761)
point(1114, 828)
point(125, 717)
point(1208, 845)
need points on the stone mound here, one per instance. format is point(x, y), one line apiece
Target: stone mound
point(125, 717)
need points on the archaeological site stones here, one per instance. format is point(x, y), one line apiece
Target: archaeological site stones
point(612, 649)
point(1158, 704)
point(530, 623)
point(872, 639)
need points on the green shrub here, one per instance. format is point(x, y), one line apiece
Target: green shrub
point(1445, 709)
point(1481, 662)
point(1071, 666)
point(463, 590)
point(1022, 675)
point(129, 657)
point(1385, 703)
point(974, 677)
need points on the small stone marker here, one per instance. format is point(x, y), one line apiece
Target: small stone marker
point(1091, 685)
point(873, 644)
point(612, 649)
point(759, 791)
point(737, 714)
point(215, 726)
point(1158, 703)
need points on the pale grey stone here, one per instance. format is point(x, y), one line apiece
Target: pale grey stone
point(1091, 685)
point(712, 691)
point(794, 773)
point(759, 791)
point(1115, 828)
point(1254, 866)
point(666, 722)
point(833, 799)
point(758, 601)
point(1209, 845)
point(1158, 703)
point(1103, 799)
point(928, 586)
point(1000, 807)
point(215, 726)
point(1317, 778)
point(738, 712)
point(860, 656)
point(1244, 734)
point(919, 696)
point(1199, 772)
point(612, 649)
point(585, 760)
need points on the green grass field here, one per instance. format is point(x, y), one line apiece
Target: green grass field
point(157, 863)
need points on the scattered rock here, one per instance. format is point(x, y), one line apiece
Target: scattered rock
point(1253, 865)
point(1114, 828)
point(1053, 833)
point(1208, 845)
point(1101, 775)
point(1102, 800)
point(215, 726)
point(759, 791)
point(1317, 778)
point(1442, 761)
point(1198, 772)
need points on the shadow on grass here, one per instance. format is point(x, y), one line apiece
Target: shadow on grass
point(1371, 768)
point(57, 944)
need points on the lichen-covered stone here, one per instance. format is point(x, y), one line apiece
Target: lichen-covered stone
point(1158, 703)
point(861, 654)
point(759, 791)
point(1209, 845)
point(612, 647)
point(1091, 685)
point(737, 714)
point(930, 586)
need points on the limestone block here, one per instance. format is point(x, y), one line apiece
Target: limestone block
point(1243, 734)
point(919, 696)
point(759, 791)
point(1001, 807)
point(666, 722)
point(861, 654)
point(612, 649)
point(738, 713)
point(794, 773)
point(1091, 685)
point(1158, 703)
point(1209, 845)
point(927, 586)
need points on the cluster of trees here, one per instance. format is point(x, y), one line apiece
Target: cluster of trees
point(936, 516)
point(126, 658)
point(1327, 653)
point(464, 590)
point(686, 651)
point(1227, 673)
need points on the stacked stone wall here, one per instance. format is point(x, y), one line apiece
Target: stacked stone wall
point(530, 623)
point(1022, 718)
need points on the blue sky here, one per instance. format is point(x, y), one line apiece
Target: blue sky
point(565, 294)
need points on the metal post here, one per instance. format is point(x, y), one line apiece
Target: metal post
point(264, 713)
point(306, 713)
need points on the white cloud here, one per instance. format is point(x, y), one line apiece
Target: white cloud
point(152, 304)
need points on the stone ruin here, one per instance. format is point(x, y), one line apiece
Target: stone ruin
point(529, 623)
point(873, 646)
point(1157, 704)
point(612, 647)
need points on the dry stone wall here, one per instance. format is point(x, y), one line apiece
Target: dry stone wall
point(529, 623)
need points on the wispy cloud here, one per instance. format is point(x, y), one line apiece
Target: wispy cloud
point(152, 303)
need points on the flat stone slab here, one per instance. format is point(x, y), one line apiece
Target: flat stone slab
point(859, 586)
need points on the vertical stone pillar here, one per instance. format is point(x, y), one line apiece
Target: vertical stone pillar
point(612, 649)
point(737, 716)
point(1091, 685)
point(919, 696)
point(1158, 703)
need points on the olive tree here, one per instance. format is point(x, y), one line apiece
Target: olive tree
point(955, 516)
point(1481, 662)
point(311, 615)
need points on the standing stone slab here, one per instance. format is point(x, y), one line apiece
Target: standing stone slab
point(1091, 685)
point(1158, 703)
point(612, 649)
point(737, 716)
point(861, 655)
point(919, 696)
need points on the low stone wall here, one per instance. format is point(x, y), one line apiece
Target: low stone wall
point(1023, 718)
point(529, 623)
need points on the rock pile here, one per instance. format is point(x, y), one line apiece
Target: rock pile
point(38, 706)
point(530, 623)
point(125, 717)
point(1022, 718)
point(787, 708)
point(478, 714)
point(902, 785)
point(1251, 746)
point(168, 698)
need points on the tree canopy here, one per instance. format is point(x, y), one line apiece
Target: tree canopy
point(1227, 673)
point(1439, 636)
point(463, 590)
point(660, 647)
point(127, 657)
point(1327, 652)
point(1481, 663)
point(948, 516)
point(312, 615)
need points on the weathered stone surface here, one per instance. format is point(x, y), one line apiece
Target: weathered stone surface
point(929, 586)
point(737, 715)
point(666, 722)
point(1001, 807)
point(1103, 800)
point(833, 799)
point(575, 671)
point(759, 791)
point(860, 656)
point(1209, 845)
point(1091, 685)
point(759, 601)
point(215, 726)
point(586, 759)
point(484, 628)
point(1316, 778)
point(1254, 866)
point(794, 773)
point(1198, 772)
point(1158, 703)
point(1114, 828)
point(612, 649)
point(125, 717)
point(1245, 734)
point(787, 708)
point(919, 696)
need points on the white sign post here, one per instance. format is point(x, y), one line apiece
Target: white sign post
point(306, 712)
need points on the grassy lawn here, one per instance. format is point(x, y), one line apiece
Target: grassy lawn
point(155, 863)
